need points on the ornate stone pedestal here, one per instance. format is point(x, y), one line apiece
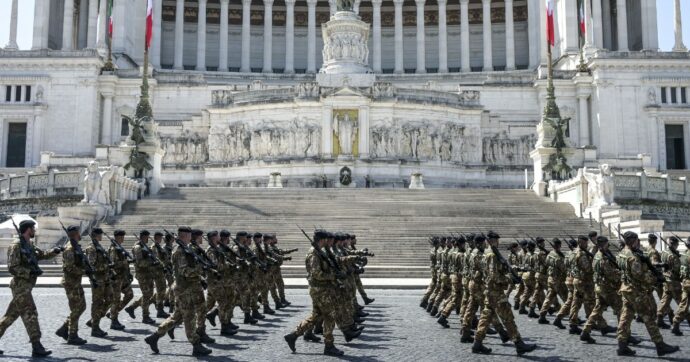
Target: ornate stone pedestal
point(345, 49)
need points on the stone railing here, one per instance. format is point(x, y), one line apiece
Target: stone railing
point(222, 98)
point(51, 183)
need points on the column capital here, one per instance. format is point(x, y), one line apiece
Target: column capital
point(311, 3)
point(268, 2)
point(398, 2)
point(376, 3)
point(420, 2)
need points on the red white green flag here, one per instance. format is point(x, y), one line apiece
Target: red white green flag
point(550, 31)
point(110, 18)
point(149, 22)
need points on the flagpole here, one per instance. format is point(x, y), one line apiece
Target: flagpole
point(144, 111)
point(109, 66)
point(551, 109)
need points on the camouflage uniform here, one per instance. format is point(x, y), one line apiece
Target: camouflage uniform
point(101, 297)
point(655, 258)
point(455, 269)
point(199, 298)
point(73, 268)
point(513, 260)
point(672, 282)
point(247, 297)
point(144, 270)
point(466, 273)
point(278, 275)
point(160, 274)
point(607, 279)
point(217, 291)
point(583, 283)
point(528, 278)
point(440, 254)
point(475, 289)
point(23, 281)
point(122, 284)
point(540, 277)
point(570, 276)
point(261, 281)
point(637, 283)
point(682, 312)
point(556, 271)
point(445, 288)
point(519, 261)
point(434, 278)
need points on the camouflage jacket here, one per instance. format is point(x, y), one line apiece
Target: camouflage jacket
point(606, 275)
point(18, 263)
point(672, 271)
point(636, 277)
point(319, 272)
point(98, 261)
point(188, 273)
point(120, 262)
point(73, 266)
point(555, 264)
point(581, 267)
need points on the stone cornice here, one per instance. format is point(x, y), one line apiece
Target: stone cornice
point(14, 77)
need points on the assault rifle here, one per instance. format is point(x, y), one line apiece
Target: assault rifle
point(251, 256)
point(645, 260)
point(103, 253)
point(217, 248)
point(148, 253)
point(28, 252)
point(189, 252)
point(332, 264)
point(587, 252)
point(81, 258)
point(119, 248)
point(499, 257)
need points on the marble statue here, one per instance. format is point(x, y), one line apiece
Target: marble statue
point(344, 5)
point(601, 187)
point(346, 132)
point(92, 184)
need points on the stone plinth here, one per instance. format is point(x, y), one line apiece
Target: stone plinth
point(416, 181)
point(275, 181)
point(345, 49)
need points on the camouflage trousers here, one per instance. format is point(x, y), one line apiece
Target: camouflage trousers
point(101, 299)
point(272, 278)
point(642, 303)
point(247, 296)
point(121, 286)
point(22, 305)
point(220, 293)
point(324, 304)
point(540, 284)
point(528, 280)
point(605, 296)
point(465, 296)
point(565, 309)
point(672, 291)
point(556, 289)
point(496, 307)
point(76, 302)
point(583, 293)
point(169, 294)
point(360, 287)
point(261, 285)
point(186, 311)
point(146, 284)
point(474, 301)
point(444, 290)
point(159, 280)
point(455, 295)
point(682, 311)
point(280, 284)
point(432, 286)
point(520, 292)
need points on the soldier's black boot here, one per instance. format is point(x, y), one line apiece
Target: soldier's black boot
point(608, 329)
point(279, 305)
point(115, 325)
point(585, 337)
point(358, 319)
point(233, 325)
point(634, 340)
point(268, 310)
point(171, 333)
point(147, 320)
point(479, 348)
point(574, 329)
point(363, 314)
point(248, 319)
point(130, 311)
point(429, 307)
point(638, 319)
point(504, 335)
point(75, 340)
point(466, 336)
point(670, 317)
point(198, 349)
point(676, 329)
point(442, 320)
point(434, 310)
point(522, 347)
point(330, 350)
point(284, 302)
point(89, 324)
point(160, 313)
point(351, 333)
point(204, 338)
point(226, 331)
point(291, 339)
point(557, 322)
point(523, 310)
point(211, 316)
point(62, 332)
point(318, 329)
point(311, 337)
point(257, 315)
point(542, 318)
point(624, 350)
point(37, 350)
point(368, 300)
point(423, 304)
point(152, 341)
point(660, 322)
point(96, 331)
point(663, 349)
point(532, 313)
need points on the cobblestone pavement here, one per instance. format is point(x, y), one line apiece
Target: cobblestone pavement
point(396, 330)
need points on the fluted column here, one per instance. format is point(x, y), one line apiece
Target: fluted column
point(102, 27)
point(622, 9)
point(442, 38)
point(107, 129)
point(510, 36)
point(678, 29)
point(268, 36)
point(311, 36)
point(486, 35)
point(12, 44)
point(39, 23)
point(355, 6)
point(290, 37)
point(332, 6)
point(398, 36)
point(223, 39)
point(421, 49)
point(584, 119)
point(465, 36)
point(246, 23)
point(597, 25)
point(155, 50)
point(376, 37)
point(92, 25)
point(68, 26)
point(179, 35)
point(201, 36)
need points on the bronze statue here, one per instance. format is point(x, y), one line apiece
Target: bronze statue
point(344, 5)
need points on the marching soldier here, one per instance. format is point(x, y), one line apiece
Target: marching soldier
point(682, 311)
point(159, 274)
point(196, 246)
point(568, 264)
point(513, 260)
point(217, 290)
point(655, 257)
point(144, 264)
point(122, 284)
point(101, 297)
point(22, 262)
point(637, 283)
point(455, 268)
point(583, 284)
point(74, 266)
point(279, 276)
point(169, 278)
point(432, 266)
point(556, 271)
point(528, 275)
point(358, 280)
point(672, 282)
point(541, 277)
point(519, 262)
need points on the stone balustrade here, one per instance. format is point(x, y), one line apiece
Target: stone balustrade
point(51, 183)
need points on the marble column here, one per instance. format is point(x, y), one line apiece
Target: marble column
point(606, 25)
point(246, 35)
point(201, 36)
point(39, 23)
point(311, 36)
point(622, 10)
point(82, 25)
point(465, 36)
point(584, 119)
point(421, 48)
point(37, 142)
point(92, 26)
point(12, 44)
point(355, 6)
point(597, 25)
point(398, 37)
point(570, 31)
point(510, 36)
point(155, 50)
point(332, 6)
point(107, 128)
point(486, 36)
point(650, 34)
point(290, 37)
point(179, 35)
point(376, 35)
point(678, 29)
point(268, 36)
point(223, 37)
point(68, 26)
point(442, 38)
point(102, 26)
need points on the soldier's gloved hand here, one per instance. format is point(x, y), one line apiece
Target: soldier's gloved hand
point(56, 250)
point(204, 284)
point(130, 278)
point(287, 258)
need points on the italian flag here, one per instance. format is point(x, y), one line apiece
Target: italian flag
point(110, 18)
point(583, 27)
point(149, 22)
point(550, 32)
